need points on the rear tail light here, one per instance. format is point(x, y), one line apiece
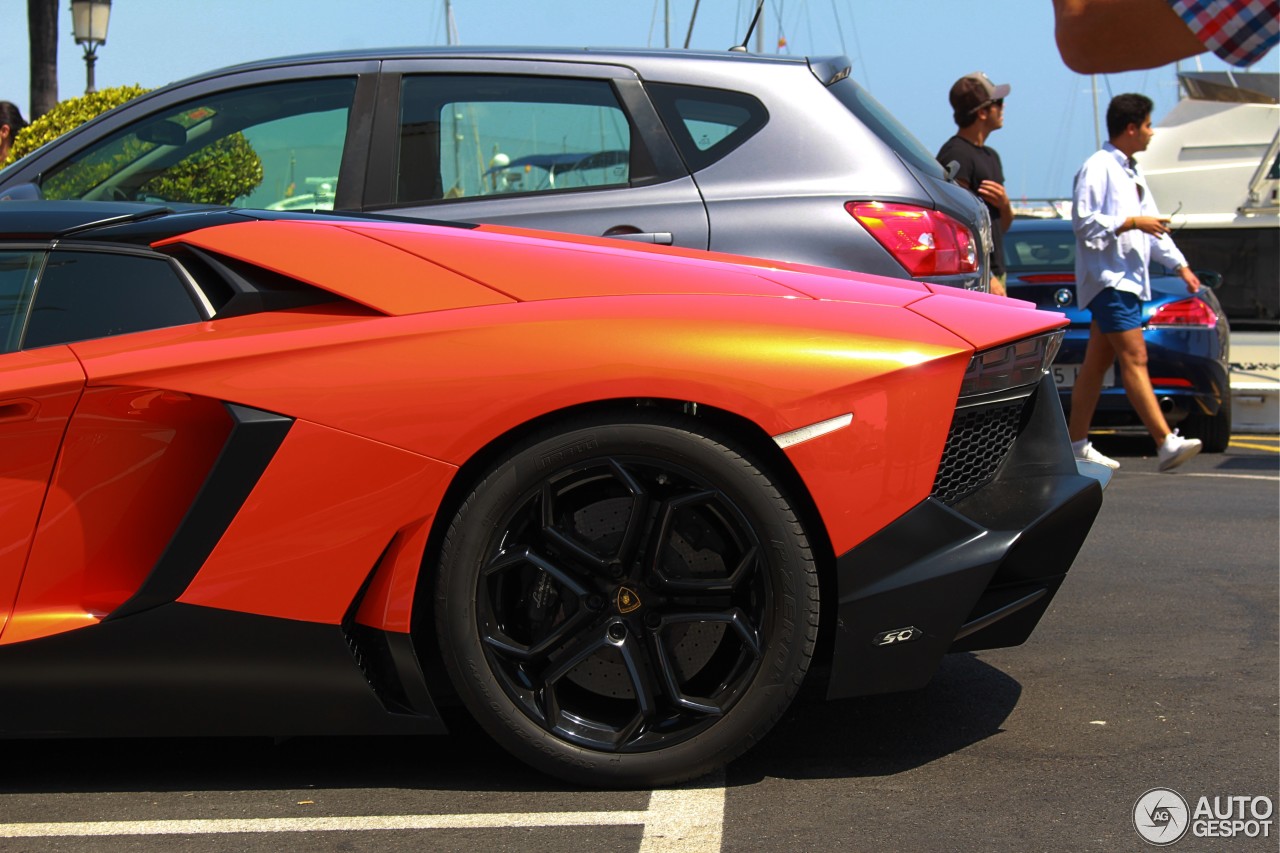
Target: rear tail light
point(1010, 365)
point(1184, 312)
point(925, 242)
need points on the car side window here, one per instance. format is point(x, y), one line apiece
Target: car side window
point(85, 295)
point(276, 146)
point(18, 271)
point(468, 136)
point(707, 124)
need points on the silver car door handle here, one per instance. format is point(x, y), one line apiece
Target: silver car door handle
point(662, 238)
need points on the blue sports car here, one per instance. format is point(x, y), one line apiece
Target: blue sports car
point(1187, 337)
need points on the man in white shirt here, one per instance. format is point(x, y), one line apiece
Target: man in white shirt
point(1118, 231)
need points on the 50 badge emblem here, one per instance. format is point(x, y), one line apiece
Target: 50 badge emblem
point(897, 635)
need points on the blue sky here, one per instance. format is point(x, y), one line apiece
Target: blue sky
point(907, 53)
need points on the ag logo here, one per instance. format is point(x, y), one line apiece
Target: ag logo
point(897, 635)
point(1161, 816)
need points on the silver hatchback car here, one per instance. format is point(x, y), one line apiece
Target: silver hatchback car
point(769, 156)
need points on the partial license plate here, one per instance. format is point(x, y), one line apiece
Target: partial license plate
point(1064, 375)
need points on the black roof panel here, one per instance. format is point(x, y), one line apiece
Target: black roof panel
point(46, 220)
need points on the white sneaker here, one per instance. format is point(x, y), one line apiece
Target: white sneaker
point(1089, 454)
point(1177, 450)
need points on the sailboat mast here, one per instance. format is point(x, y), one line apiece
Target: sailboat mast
point(689, 35)
point(450, 25)
point(1097, 127)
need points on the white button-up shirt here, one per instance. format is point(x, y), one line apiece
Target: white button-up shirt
point(1108, 190)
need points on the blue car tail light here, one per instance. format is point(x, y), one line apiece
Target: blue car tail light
point(1184, 312)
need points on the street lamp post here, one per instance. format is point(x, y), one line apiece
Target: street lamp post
point(89, 24)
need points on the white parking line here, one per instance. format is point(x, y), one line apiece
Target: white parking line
point(1271, 477)
point(687, 819)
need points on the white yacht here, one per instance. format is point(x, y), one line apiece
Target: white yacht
point(1214, 164)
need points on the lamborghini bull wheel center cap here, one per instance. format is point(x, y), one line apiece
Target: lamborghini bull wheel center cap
point(626, 600)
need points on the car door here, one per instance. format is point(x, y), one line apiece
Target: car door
point(38, 391)
point(571, 147)
point(121, 463)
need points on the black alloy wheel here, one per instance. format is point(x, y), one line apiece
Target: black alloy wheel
point(627, 603)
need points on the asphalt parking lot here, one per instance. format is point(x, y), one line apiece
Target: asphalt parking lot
point(1157, 666)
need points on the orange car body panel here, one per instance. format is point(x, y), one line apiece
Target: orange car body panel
point(971, 319)
point(131, 463)
point(342, 260)
point(443, 384)
point(310, 534)
point(524, 361)
point(529, 270)
point(37, 396)
point(422, 365)
point(388, 603)
point(867, 474)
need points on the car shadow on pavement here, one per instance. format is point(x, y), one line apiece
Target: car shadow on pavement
point(1248, 464)
point(967, 701)
point(465, 760)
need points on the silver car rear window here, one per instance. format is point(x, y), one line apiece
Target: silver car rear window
point(706, 124)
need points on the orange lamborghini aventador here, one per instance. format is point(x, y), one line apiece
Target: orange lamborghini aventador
point(271, 473)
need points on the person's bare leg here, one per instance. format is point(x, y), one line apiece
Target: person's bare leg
point(1098, 357)
point(1131, 350)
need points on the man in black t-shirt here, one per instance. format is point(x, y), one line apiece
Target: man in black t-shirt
point(978, 108)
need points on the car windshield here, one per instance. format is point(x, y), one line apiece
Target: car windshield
point(882, 123)
point(1049, 250)
point(1041, 249)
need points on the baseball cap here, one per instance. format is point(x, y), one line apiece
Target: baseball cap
point(974, 91)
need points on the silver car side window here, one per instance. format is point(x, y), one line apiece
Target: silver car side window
point(471, 136)
point(277, 146)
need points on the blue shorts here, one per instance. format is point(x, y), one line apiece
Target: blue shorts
point(1116, 310)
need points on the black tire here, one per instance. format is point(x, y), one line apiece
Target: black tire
point(1213, 430)
point(587, 656)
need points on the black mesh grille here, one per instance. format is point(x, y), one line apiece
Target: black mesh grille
point(369, 649)
point(979, 439)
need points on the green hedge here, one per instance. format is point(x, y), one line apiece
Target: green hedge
point(68, 115)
